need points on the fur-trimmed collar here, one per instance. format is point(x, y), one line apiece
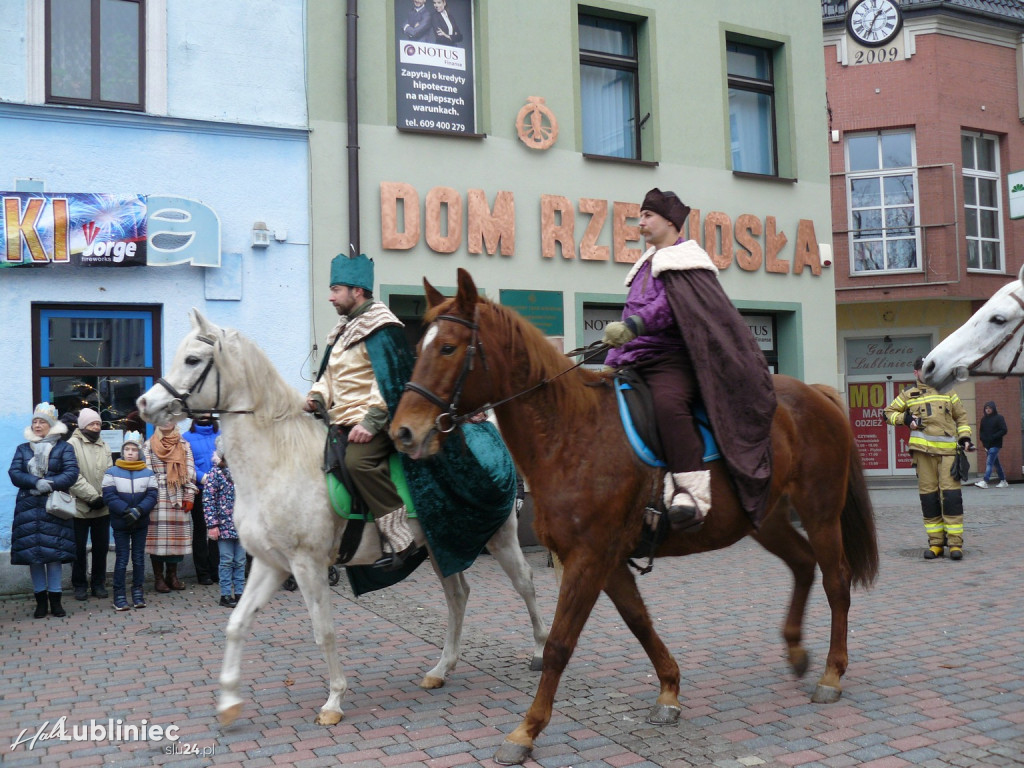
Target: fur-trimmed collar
point(60, 428)
point(684, 255)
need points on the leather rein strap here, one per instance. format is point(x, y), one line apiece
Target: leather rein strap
point(972, 368)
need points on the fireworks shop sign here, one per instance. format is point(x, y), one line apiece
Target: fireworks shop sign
point(434, 66)
point(101, 230)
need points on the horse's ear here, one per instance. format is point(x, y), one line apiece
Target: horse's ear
point(467, 296)
point(434, 296)
point(199, 322)
point(1020, 275)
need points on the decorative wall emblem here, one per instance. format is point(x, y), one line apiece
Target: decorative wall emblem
point(536, 124)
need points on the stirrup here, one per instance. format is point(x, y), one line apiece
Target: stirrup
point(391, 560)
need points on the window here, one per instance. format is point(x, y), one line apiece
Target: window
point(981, 201)
point(101, 358)
point(609, 87)
point(882, 198)
point(95, 51)
point(752, 109)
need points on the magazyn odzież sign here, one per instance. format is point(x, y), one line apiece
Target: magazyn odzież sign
point(434, 66)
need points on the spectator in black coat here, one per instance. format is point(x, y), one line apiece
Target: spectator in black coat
point(990, 434)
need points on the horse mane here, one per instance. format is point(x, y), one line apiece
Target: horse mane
point(544, 362)
point(277, 406)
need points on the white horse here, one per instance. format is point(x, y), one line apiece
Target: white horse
point(282, 512)
point(991, 343)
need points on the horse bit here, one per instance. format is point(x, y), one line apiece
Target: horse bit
point(972, 368)
point(182, 398)
point(476, 347)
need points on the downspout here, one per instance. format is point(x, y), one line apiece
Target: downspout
point(352, 113)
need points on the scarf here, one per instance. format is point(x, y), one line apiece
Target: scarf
point(39, 465)
point(131, 466)
point(170, 451)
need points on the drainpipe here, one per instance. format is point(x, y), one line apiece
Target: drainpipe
point(352, 112)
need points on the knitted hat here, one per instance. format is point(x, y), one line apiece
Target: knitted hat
point(667, 205)
point(86, 417)
point(356, 271)
point(46, 412)
point(135, 438)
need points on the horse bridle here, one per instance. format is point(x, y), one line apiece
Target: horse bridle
point(972, 368)
point(476, 347)
point(182, 397)
point(449, 410)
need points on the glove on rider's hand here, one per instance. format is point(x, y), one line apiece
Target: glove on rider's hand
point(616, 334)
point(96, 503)
point(43, 485)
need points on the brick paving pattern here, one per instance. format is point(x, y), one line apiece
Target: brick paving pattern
point(936, 674)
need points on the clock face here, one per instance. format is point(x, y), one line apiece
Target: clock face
point(874, 22)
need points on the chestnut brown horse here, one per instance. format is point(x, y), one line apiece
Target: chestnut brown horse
point(563, 429)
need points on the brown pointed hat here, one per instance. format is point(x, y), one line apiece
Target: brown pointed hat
point(667, 205)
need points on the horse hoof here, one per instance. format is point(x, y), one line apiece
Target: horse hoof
point(229, 715)
point(826, 694)
point(662, 714)
point(329, 717)
point(430, 682)
point(799, 662)
point(511, 754)
point(537, 664)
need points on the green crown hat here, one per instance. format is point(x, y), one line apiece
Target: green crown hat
point(356, 271)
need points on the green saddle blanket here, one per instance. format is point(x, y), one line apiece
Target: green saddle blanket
point(341, 499)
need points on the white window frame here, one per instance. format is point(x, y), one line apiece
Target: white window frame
point(972, 173)
point(155, 64)
point(879, 173)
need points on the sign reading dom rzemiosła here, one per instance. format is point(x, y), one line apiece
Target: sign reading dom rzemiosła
point(434, 65)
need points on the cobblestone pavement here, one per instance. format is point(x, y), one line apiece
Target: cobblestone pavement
point(936, 674)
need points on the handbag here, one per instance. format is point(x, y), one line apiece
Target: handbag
point(61, 504)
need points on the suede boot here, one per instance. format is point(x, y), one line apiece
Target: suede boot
point(55, 607)
point(687, 499)
point(158, 572)
point(172, 577)
point(41, 607)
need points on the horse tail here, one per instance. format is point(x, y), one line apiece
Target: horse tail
point(857, 521)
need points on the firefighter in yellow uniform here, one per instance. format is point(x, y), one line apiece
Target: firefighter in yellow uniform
point(937, 423)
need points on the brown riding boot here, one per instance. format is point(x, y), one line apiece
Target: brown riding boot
point(158, 571)
point(172, 577)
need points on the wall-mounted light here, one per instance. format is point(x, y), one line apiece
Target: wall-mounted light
point(260, 235)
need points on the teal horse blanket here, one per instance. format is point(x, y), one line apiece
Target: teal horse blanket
point(462, 495)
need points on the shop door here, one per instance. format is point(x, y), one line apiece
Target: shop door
point(883, 447)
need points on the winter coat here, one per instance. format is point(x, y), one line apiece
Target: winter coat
point(219, 502)
point(202, 440)
point(124, 488)
point(170, 522)
point(93, 460)
point(37, 537)
point(992, 428)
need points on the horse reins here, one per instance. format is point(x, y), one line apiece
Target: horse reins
point(972, 368)
point(476, 347)
point(182, 398)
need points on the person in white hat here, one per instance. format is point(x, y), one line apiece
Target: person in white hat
point(43, 542)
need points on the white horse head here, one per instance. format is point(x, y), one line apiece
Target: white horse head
point(989, 344)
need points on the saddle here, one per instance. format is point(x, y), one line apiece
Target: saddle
point(636, 409)
point(346, 500)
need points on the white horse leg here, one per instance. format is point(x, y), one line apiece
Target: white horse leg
point(456, 593)
point(263, 580)
point(311, 577)
point(504, 546)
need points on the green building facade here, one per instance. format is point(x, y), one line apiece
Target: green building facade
point(516, 140)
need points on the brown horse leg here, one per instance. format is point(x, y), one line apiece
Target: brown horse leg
point(779, 537)
point(582, 582)
point(621, 588)
point(826, 539)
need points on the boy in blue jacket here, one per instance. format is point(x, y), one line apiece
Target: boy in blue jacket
point(130, 493)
